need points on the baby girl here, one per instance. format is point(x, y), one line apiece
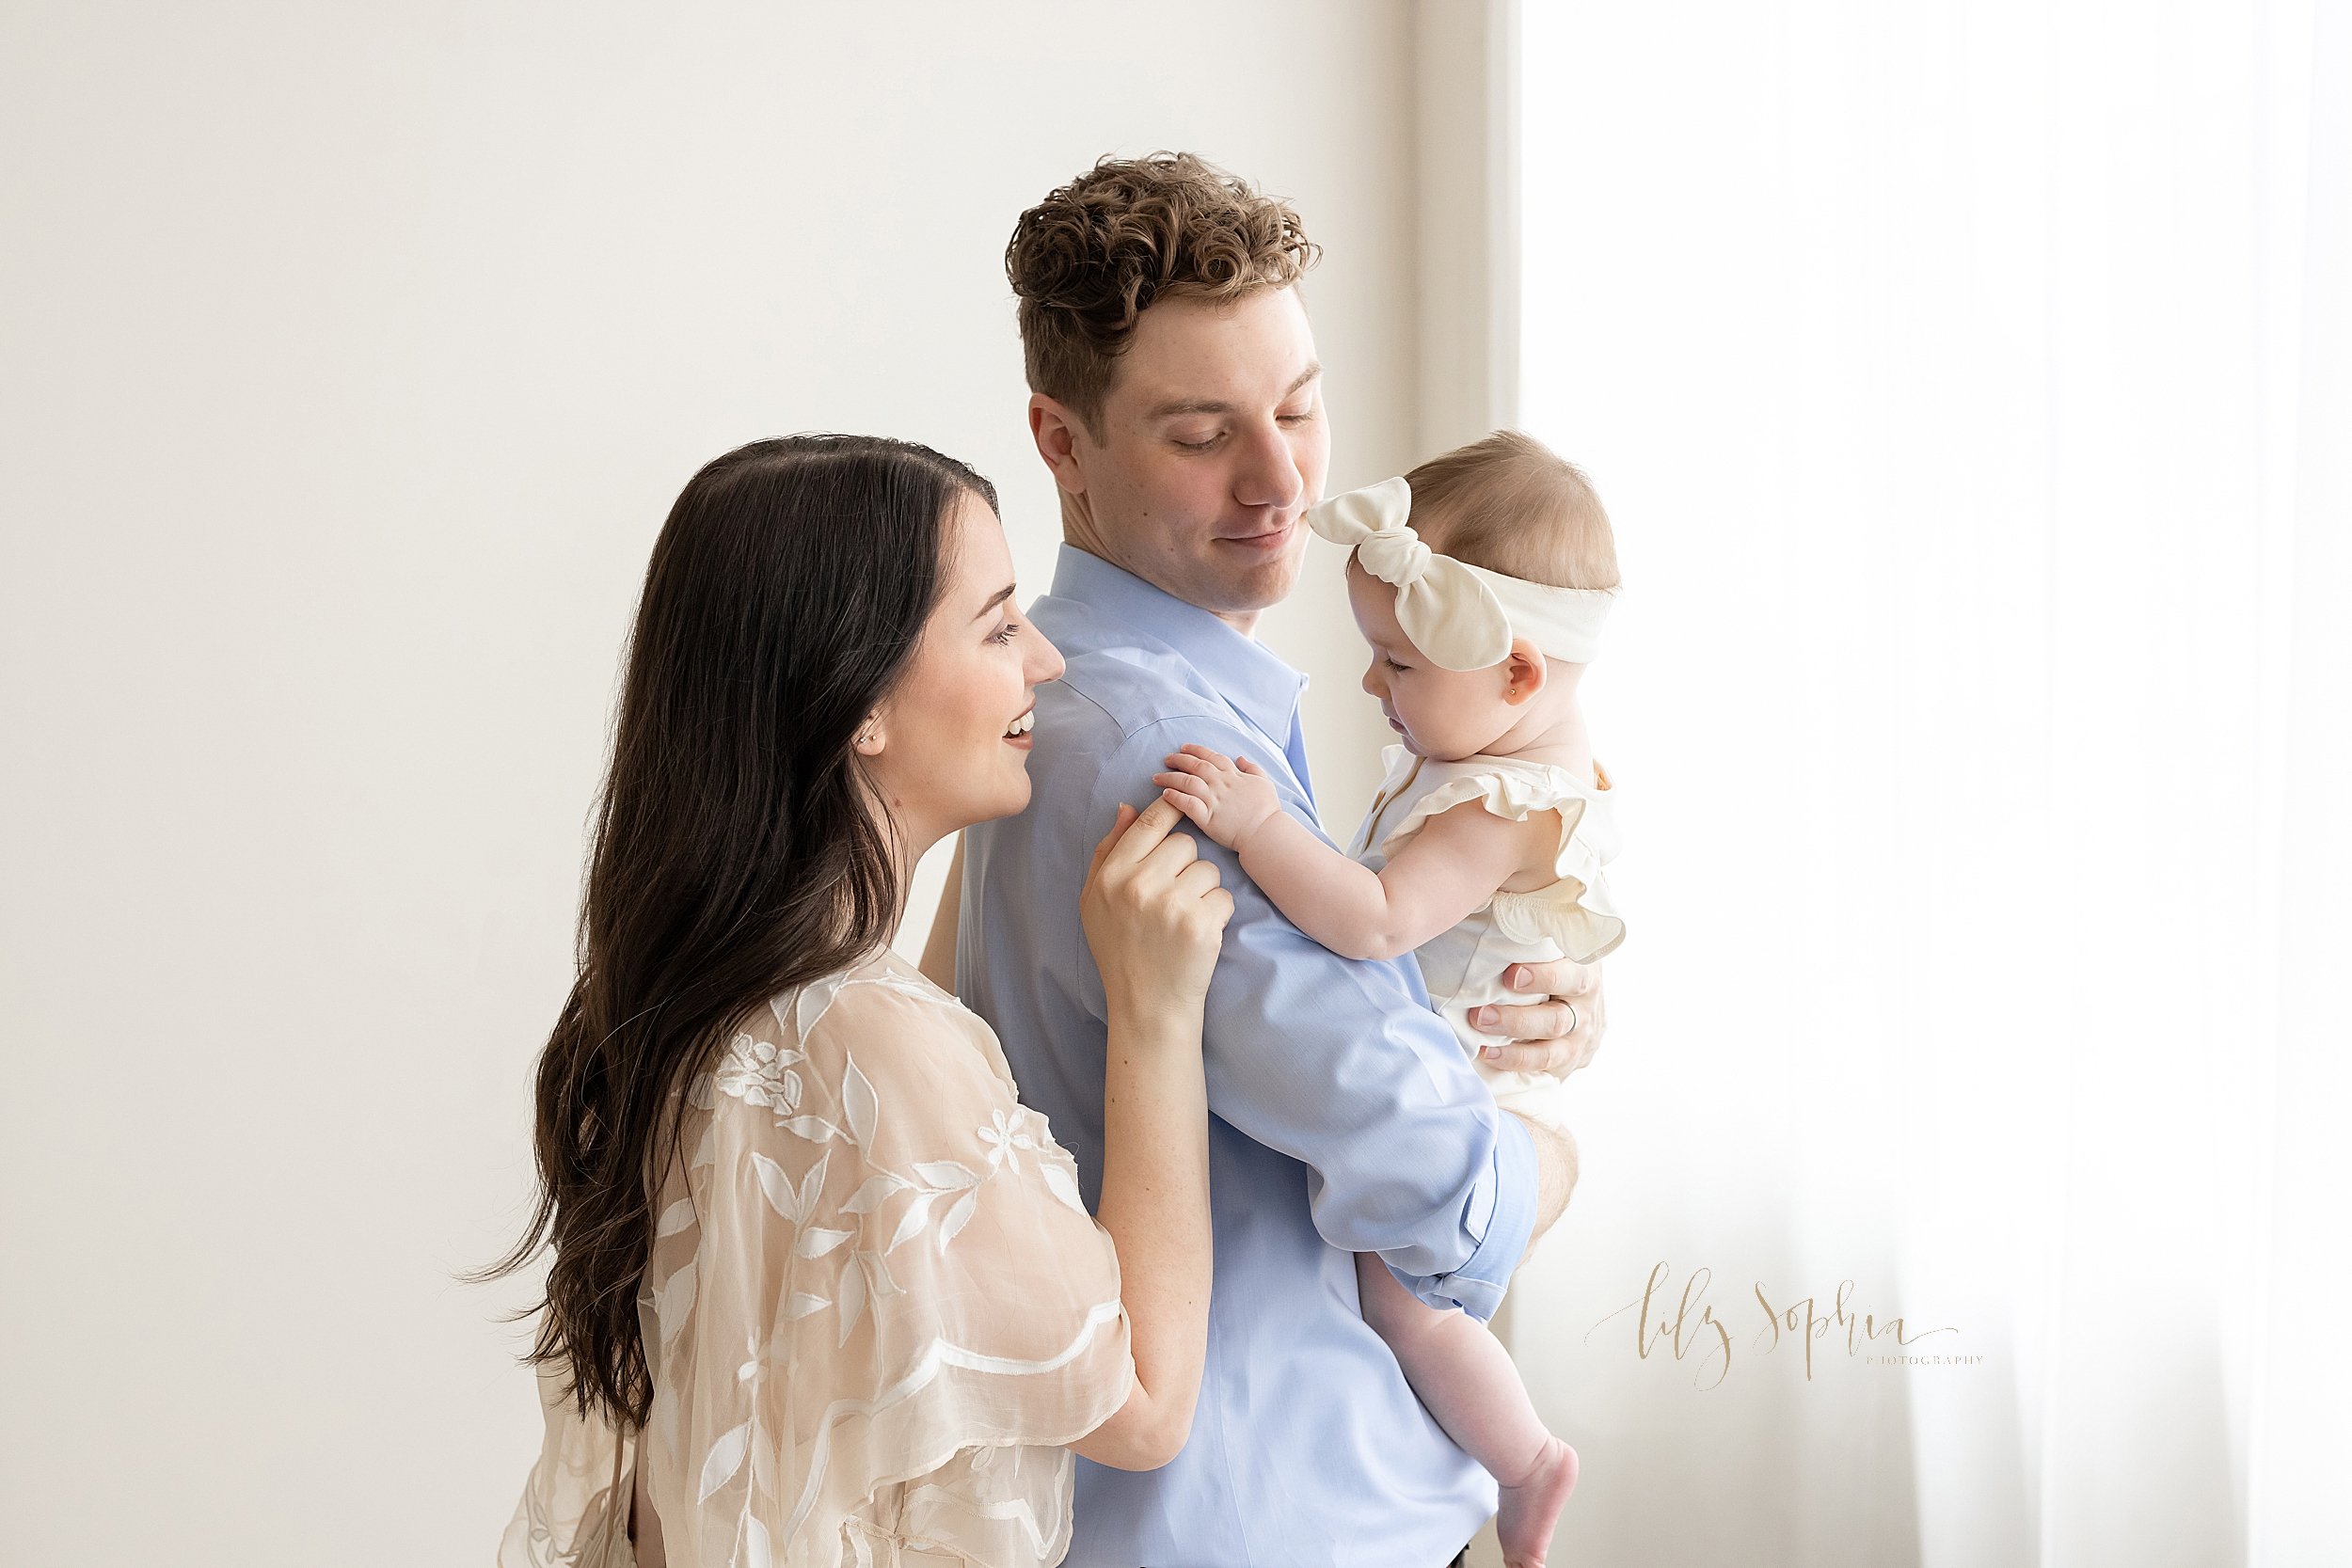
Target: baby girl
point(1481, 579)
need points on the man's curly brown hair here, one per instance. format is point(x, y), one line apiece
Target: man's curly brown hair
point(1095, 254)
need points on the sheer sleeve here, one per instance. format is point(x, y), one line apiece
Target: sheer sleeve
point(574, 1512)
point(880, 1304)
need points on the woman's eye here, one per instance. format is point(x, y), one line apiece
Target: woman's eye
point(1007, 632)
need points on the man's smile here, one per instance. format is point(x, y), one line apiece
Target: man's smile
point(1267, 543)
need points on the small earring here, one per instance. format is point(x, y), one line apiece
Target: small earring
point(865, 736)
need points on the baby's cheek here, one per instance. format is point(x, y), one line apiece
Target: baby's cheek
point(1447, 713)
point(1429, 713)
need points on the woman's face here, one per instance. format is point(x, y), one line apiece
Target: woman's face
point(949, 746)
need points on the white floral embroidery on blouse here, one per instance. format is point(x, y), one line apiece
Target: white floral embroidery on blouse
point(876, 1308)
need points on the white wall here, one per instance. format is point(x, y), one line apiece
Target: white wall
point(351, 356)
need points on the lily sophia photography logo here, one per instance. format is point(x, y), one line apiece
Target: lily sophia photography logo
point(1684, 1325)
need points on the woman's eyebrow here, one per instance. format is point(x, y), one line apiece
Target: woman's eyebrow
point(996, 598)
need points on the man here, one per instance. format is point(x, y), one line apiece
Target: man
point(1177, 401)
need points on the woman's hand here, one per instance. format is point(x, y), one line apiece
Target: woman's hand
point(1155, 916)
point(1155, 913)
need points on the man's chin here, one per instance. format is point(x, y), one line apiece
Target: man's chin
point(1244, 589)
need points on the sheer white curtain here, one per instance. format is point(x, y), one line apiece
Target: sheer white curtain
point(1972, 388)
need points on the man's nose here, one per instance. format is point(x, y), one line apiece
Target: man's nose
point(1268, 474)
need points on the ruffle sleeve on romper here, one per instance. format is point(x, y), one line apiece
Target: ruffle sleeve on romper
point(1575, 911)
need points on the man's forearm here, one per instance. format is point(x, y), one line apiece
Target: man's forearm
point(1555, 1175)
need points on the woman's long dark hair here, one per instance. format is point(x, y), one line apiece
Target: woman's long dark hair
point(736, 852)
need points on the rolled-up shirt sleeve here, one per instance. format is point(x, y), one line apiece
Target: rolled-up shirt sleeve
point(1340, 1063)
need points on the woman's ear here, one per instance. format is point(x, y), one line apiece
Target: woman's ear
point(870, 737)
point(1523, 672)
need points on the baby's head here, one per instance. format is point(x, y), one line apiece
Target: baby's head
point(1509, 505)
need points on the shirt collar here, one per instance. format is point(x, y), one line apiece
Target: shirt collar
point(1245, 671)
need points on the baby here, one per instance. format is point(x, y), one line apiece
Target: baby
point(1481, 579)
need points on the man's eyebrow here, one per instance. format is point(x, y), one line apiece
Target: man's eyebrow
point(996, 598)
point(1210, 405)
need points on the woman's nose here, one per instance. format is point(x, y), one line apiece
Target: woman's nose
point(1044, 662)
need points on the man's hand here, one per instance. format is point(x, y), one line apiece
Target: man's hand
point(1557, 1030)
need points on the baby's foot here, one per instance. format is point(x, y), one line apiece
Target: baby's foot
point(1532, 1505)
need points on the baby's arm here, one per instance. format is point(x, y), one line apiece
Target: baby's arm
point(1450, 868)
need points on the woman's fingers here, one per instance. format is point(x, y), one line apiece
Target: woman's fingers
point(1198, 897)
point(1144, 835)
point(1118, 825)
point(1172, 853)
point(1195, 881)
point(1148, 908)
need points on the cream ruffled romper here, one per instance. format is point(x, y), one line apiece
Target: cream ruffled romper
point(1570, 918)
point(1464, 617)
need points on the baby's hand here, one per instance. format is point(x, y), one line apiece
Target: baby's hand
point(1226, 799)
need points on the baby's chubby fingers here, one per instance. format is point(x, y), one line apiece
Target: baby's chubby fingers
point(1197, 811)
point(1200, 759)
point(1173, 785)
point(1203, 797)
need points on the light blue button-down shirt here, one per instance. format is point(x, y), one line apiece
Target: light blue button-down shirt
point(1345, 1119)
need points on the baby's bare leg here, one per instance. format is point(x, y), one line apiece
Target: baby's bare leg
point(1465, 1376)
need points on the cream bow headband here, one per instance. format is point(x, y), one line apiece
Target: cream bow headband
point(1462, 616)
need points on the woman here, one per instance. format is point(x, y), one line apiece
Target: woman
point(823, 1290)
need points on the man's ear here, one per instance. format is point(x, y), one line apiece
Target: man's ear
point(1056, 432)
point(1523, 672)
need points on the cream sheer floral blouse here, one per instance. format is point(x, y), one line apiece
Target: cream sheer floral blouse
point(876, 1307)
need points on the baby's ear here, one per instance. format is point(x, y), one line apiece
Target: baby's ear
point(1523, 672)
